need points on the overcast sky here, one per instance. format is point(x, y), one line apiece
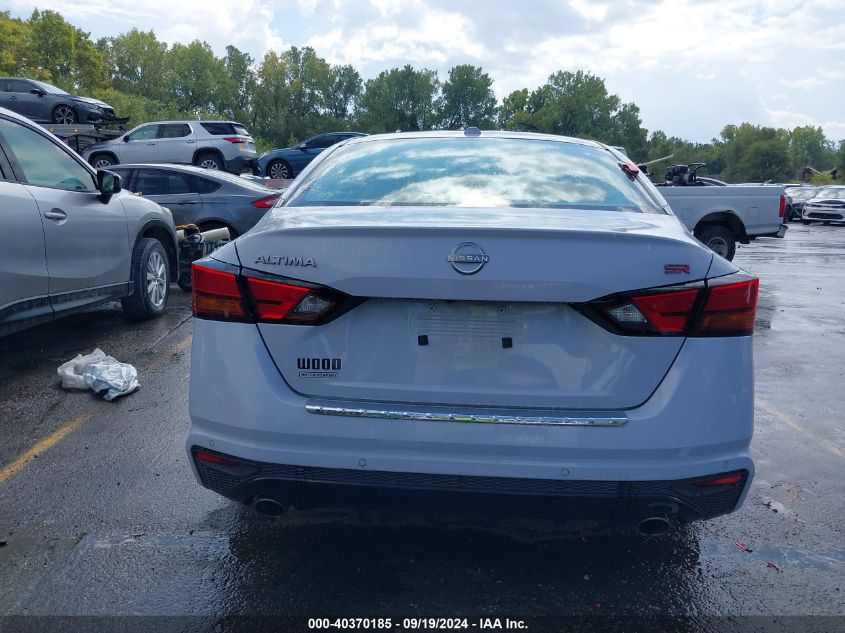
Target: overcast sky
point(692, 66)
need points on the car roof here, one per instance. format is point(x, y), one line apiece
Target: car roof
point(189, 121)
point(484, 134)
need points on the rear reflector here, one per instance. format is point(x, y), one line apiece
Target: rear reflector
point(730, 309)
point(216, 294)
point(211, 458)
point(721, 480)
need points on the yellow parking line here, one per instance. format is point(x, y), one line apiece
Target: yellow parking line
point(792, 423)
point(43, 445)
point(48, 442)
point(168, 354)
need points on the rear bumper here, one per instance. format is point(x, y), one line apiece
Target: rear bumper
point(308, 487)
point(240, 164)
point(698, 423)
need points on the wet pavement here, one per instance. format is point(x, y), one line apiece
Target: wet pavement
point(103, 517)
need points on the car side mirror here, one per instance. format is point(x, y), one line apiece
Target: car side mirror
point(38, 91)
point(108, 182)
point(303, 147)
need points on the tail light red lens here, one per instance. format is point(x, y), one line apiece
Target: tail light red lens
point(279, 302)
point(223, 293)
point(216, 294)
point(266, 203)
point(730, 309)
point(235, 139)
point(668, 312)
point(782, 206)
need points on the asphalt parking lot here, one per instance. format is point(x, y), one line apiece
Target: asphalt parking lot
point(100, 515)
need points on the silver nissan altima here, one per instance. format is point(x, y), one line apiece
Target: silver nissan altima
point(470, 320)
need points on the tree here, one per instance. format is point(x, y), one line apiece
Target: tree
point(752, 153)
point(577, 104)
point(808, 147)
point(239, 85)
point(138, 64)
point(514, 114)
point(400, 99)
point(345, 92)
point(467, 99)
point(14, 42)
point(195, 77)
point(60, 53)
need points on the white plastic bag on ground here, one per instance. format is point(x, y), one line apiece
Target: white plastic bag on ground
point(105, 375)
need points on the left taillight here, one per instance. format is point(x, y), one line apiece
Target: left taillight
point(217, 295)
point(223, 293)
point(782, 209)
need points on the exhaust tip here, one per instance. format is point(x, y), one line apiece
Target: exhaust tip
point(268, 507)
point(654, 526)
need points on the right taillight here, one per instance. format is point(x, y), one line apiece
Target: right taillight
point(724, 306)
point(729, 309)
point(222, 292)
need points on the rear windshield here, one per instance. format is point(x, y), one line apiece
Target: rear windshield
point(221, 128)
point(472, 172)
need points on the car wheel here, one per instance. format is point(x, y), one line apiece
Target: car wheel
point(826, 223)
point(209, 160)
point(805, 222)
point(279, 170)
point(151, 277)
point(718, 239)
point(102, 161)
point(64, 115)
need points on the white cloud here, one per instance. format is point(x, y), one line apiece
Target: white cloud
point(692, 65)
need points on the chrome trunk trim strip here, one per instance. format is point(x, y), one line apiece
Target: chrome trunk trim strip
point(439, 414)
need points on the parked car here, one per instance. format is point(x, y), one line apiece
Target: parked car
point(209, 199)
point(286, 163)
point(71, 237)
point(828, 205)
point(43, 103)
point(797, 195)
point(222, 145)
point(426, 321)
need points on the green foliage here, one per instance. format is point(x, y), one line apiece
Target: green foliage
point(292, 94)
point(400, 100)
point(468, 99)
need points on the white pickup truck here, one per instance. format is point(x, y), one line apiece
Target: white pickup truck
point(722, 216)
point(718, 214)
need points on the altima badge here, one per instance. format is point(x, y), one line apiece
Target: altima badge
point(468, 258)
point(283, 260)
